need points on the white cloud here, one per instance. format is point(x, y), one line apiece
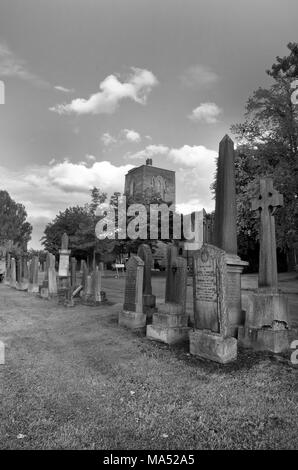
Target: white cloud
point(137, 88)
point(63, 89)
point(193, 156)
point(131, 135)
point(12, 66)
point(206, 112)
point(107, 139)
point(90, 158)
point(198, 76)
point(148, 152)
point(46, 190)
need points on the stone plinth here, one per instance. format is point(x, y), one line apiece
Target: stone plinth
point(236, 316)
point(169, 325)
point(212, 346)
point(149, 305)
point(132, 320)
point(267, 321)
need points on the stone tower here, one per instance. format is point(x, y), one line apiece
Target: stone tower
point(149, 177)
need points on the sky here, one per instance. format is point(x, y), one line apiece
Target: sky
point(94, 87)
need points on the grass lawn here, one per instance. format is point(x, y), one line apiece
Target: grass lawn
point(74, 380)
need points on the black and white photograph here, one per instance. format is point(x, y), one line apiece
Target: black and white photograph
point(148, 230)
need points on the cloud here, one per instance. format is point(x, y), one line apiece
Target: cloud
point(131, 135)
point(206, 112)
point(107, 139)
point(148, 152)
point(12, 66)
point(112, 91)
point(199, 75)
point(63, 89)
point(45, 190)
point(193, 156)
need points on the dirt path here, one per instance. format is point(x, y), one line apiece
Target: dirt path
point(74, 379)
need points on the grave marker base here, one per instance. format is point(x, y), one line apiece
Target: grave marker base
point(132, 320)
point(203, 343)
point(264, 339)
point(169, 324)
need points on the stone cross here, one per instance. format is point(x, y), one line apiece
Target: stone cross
point(266, 201)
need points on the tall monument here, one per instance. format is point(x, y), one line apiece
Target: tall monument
point(225, 231)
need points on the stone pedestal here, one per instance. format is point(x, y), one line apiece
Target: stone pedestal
point(169, 325)
point(236, 316)
point(149, 306)
point(33, 288)
point(204, 343)
point(267, 321)
point(132, 320)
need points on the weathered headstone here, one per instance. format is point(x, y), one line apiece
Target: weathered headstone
point(52, 277)
point(211, 337)
point(169, 324)
point(171, 255)
point(13, 272)
point(33, 286)
point(8, 269)
point(149, 300)
point(18, 272)
point(73, 267)
point(267, 314)
point(25, 274)
point(64, 278)
point(225, 233)
point(132, 315)
point(49, 285)
point(64, 253)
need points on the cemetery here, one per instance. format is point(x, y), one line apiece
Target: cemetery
point(173, 350)
point(148, 231)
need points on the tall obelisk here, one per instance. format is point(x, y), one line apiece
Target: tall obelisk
point(225, 230)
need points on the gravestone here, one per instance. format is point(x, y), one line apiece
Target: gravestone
point(49, 285)
point(52, 277)
point(33, 287)
point(18, 272)
point(149, 300)
point(64, 254)
point(25, 274)
point(169, 324)
point(13, 273)
point(8, 269)
point(73, 267)
point(84, 277)
point(64, 278)
point(225, 232)
point(211, 336)
point(267, 315)
point(132, 315)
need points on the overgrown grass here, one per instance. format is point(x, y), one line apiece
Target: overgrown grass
point(73, 379)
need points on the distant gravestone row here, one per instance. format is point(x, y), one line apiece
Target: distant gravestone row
point(219, 323)
point(65, 286)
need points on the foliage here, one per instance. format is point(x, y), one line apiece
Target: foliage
point(267, 146)
point(13, 225)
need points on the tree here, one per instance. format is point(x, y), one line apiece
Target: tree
point(267, 146)
point(14, 225)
